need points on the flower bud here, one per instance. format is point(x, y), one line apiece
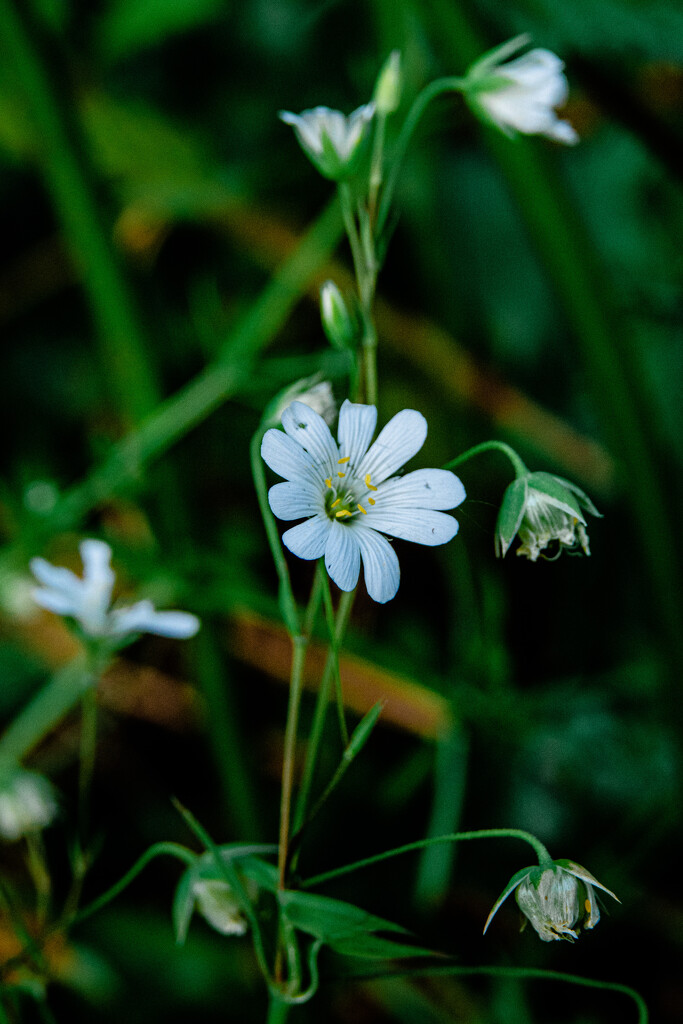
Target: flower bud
point(546, 512)
point(216, 902)
point(336, 320)
point(27, 804)
point(388, 86)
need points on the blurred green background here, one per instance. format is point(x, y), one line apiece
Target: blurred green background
point(152, 301)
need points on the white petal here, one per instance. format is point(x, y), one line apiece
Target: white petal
point(57, 578)
point(380, 564)
point(308, 540)
point(96, 557)
point(54, 601)
point(402, 438)
point(287, 458)
point(295, 500)
point(421, 526)
point(562, 131)
point(142, 617)
point(423, 488)
point(309, 429)
point(342, 555)
point(356, 426)
point(306, 127)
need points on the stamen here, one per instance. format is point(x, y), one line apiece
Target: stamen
point(328, 481)
point(343, 512)
point(371, 501)
point(345, 459)
point(335, 503)
point(370, 487)
point(341, 475)
point(361, 509)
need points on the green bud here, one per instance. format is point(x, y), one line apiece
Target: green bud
point(336, 320)
point(387, 94)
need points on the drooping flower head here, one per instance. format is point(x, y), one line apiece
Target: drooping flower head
point(87, 599)
point(331, 140)
point(520, 95)
point(27, 803)
point(546, 512)
point(347, 494)
point(558, 901)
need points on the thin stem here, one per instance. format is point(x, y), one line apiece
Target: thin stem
point(346, 201)
point(544, 858)
point(376, 164)
point(420, 104)
point(489, 446)
point(334, 651)
point(299, 644)
point(88, 744)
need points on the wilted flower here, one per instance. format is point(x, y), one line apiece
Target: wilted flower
point(27, 803)
point(347, 494)
point(558, 901)
point(543, 510)
point(88, 599)
point(331, 141)
point(519, 96)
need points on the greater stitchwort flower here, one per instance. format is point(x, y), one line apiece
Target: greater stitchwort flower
point(546, 512)
point(519, 96)
point(559, 900)
point(331, 141)
point(349, 497)
point(88, 599)
point(27, 803)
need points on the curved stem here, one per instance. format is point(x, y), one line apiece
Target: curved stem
point(420, 104)
point(544, 858)
point(488, 446)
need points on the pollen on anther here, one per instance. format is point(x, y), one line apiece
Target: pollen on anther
point(341, 475)
point(328, 481)
point(587, 905)
point(342, 512)
point(361, 509)
point(335, 503)
point(371, 501)
point(345, 459)
point(370, 486)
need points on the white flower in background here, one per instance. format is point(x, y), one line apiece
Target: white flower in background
point(520, 95)
point(348, 496)
point(330, 140)
point(88, 599)
point(27, 804)
point(216, 902)
point(558, 901)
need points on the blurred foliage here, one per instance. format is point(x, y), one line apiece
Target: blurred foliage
point(153, 300)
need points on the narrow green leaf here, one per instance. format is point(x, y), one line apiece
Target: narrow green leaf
point(330, 919)
point(374, 947)
point(361, 733)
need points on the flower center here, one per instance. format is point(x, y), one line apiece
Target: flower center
point(343, 491)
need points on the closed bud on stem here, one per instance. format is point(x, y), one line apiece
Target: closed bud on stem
point(388, 86)
point(337, 322)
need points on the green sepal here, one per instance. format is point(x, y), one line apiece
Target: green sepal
point(558, 491)
point(511, 514)
point(265, 875)
point(183, 906)
point(583, 499)
point(512, 884)
point(329, 919)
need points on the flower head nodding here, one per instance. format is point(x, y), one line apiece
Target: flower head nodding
point(558, 901)
point(27, 803)
point(331, 140)
point(545, 512)
point(348, 496)
point(87, 599)
point(520, 95)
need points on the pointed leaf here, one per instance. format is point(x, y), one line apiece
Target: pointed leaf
point(329, 919)
point(374, 947)
point(361, 733)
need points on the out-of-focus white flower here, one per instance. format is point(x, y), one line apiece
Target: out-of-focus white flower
point(331, 140)
point(558, 901)
point(547, 514)
point(348, 497)
point(88, 599)
point(216, 902)
point(27, 803)
point(520, 95)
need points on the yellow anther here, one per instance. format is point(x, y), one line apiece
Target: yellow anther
point(587, 905)
point(342, 475)
point(328, 481)
point(343, 512)
point(345, 459)
point(361, 509)
point(371, 501)
point(370, 487)
point(335, 503)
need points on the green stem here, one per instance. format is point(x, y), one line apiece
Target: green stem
point(278, 1011)
point(317, 727)
point(88, 744)
point(299, 645)
point(544, 858)
point(420, 104)
point(513, 972)
point(489, 446)
point(334, 651)
point(346, 202)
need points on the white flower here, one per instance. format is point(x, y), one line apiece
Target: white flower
point(88, 599)
point(27, 804)
point(559, 900)
point(519, 96)
point(218, 905)
point(329, 139)
point(349, 496)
